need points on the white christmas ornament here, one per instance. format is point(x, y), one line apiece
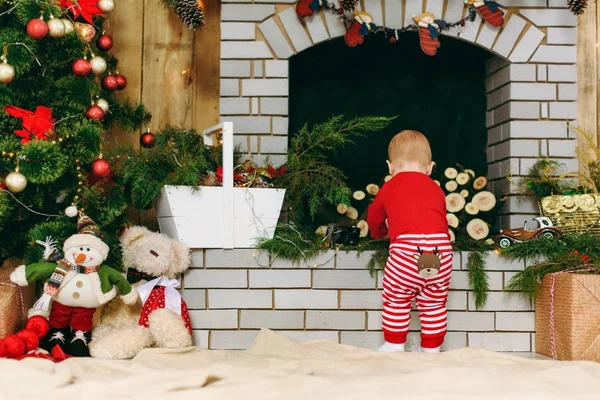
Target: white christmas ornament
point(106, 6)
point(103, 104)
point(69, 28)
point(71, 211)
point(98, 65)
point(7, 72)
point(56, 28)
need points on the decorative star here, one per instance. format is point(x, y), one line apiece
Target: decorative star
point(86, 8)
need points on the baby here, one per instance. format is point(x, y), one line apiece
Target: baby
point(411, 209)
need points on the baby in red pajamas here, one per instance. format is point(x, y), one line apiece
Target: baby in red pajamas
point(410, 209)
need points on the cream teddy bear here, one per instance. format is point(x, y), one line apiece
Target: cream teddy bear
point(160, 318)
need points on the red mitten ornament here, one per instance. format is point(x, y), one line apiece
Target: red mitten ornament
point(305, 8)
point(360, 27)
point(489, 11)
point(428, 33)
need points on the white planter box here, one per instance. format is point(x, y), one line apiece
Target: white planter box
point(219, 217)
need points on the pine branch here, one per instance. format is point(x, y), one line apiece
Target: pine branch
point(478, 277)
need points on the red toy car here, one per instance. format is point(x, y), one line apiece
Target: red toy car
point(546, 230)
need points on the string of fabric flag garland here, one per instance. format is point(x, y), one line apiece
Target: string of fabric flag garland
point(360, 24)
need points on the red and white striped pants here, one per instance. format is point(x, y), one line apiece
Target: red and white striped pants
point(402, 284)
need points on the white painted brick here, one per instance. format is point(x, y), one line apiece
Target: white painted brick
point(527, 164)
point(457, 301)
point(557, 4)
point(305, 336)
point(495, 262)
point(516, 148)
point(369, 340)
point(470, 321)
point(544, 110)
point(522, 72)
point(276, 38)
point(487, 35)
point(542, 72)
point(361, 300)
point(353, 259)
point(454, 341)
point(460, 280)
point(555, 54)
point(348, 320)
point(230, 87)
point(306, 299)
point(563, 110)
point(280, 278)
point(498, 97)
point(294, 29)
point(562, 36)
point(334, 24)
point(242, 125)
point(412, 7)
point(276, 68)
point(562, 148)
point(524, 110)
point(516, 220)
point(321, 261)
point(533, 342)
point(532, 91)
point(195, 299)
point(549, 17)
point(273, 144)
point(543, 148)
point(508, 276)
point(200, 339)
point(339, 279)
point(516, 204)
point(454, 10)
point(562, 73)
point(271, 319)
point(214, 278)
point(495, 341)
point(509, 35)
point(393, 14)
point(265, 87)
point(214, 319)
point(238, 258)
point(234, 106)
point(489, 119)
point(273, 159)
point(537, 129)
point(435, 7)
point(244, 50)
point(316, 29)
point(254, 106)
point(374, 321)
point(379, 279)
point(494, 64)
point(527, 45)
point(499, 301)
point(497, 79)
point(258, 68)
point(567, 91)
point(237, 298)
point(235, 69)
point(232, 340)
point(238, 31)
point(243, 12)
point(274, 105)
point(515, 321)
point(240, 142)
point(280, 125)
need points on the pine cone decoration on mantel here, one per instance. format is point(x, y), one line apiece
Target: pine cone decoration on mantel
point(349, 5)
point(577, 7)
point(190, 13)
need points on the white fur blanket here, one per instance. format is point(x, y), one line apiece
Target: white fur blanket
point(277, 368)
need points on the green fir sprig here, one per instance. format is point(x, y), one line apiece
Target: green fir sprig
point(478, 278)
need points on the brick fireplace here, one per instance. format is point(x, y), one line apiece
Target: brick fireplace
point(531, 99)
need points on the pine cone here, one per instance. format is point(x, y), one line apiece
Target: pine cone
point(577, 7)
point(349, 5)
point(190, 13)
point(210, 179)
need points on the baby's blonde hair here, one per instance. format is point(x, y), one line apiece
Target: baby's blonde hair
point(409, 146)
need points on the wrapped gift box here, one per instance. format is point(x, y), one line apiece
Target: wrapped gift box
point(15, 301)
point(576, 317)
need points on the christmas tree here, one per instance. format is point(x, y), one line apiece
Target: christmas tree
point(58, 100)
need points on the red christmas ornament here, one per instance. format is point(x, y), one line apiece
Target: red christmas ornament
point(37, 28)
point(105, 42)
point(101, 168)
point(95, 113)
point(121, 82)
point(110, 83)
point(147, 139)
point(82, 67)
point(392, 39)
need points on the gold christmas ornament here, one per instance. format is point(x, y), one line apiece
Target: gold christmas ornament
point(98, 65)
point(85, 32)
point(69, 28)
point(103, 104)
point(106, 6)
point(16, 181)
point(7, 72)
point(56, 27)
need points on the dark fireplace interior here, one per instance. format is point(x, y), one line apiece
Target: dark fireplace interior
point(442, 96)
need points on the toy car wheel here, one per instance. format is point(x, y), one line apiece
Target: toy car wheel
point(548, 235)
point(504, 243)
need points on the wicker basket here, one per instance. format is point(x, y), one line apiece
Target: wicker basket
point(12, 305)
point(576, 317)
point(577, 214)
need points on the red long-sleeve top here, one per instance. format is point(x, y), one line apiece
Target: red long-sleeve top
point(412, 203)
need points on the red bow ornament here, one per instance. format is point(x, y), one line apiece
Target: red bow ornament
point(38, 123)
point(86, 8)
point(236, 176)
point(275, 173)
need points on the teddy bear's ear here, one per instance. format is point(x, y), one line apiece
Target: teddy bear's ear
point(183, 258)
point(133, 234)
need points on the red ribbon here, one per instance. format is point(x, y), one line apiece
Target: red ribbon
point(37, 123)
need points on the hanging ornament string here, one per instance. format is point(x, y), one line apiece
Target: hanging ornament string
point(28, 49)
point(26, 207)
point(12, 8)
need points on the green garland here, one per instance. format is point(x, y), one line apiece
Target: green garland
point(478, 278)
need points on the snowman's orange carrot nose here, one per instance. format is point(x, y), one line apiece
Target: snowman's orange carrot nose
point(80, 258)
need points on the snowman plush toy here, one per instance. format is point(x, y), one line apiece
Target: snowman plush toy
point(76, 284)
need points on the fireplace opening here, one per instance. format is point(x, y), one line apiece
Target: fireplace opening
point(442, 96)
